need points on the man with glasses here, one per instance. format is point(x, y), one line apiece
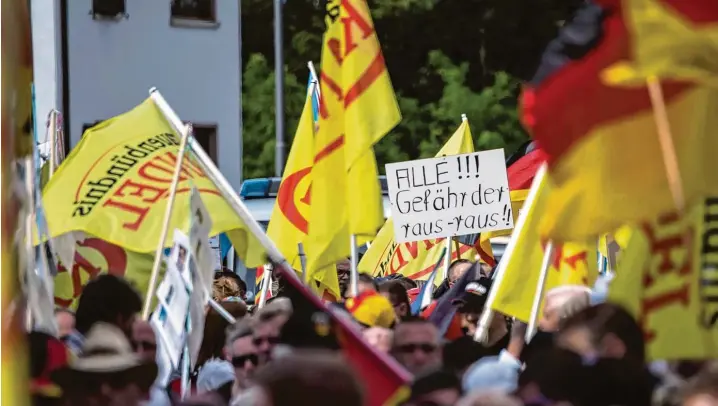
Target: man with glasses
point(242, 353)
point(267, 327)
point(416, 345)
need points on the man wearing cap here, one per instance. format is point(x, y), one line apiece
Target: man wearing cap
point(470, 304)
point(107, 372)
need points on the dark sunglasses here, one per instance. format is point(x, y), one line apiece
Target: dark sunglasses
point(411, 348)
point(257, 341)
point(241, 360)
point(145, 345)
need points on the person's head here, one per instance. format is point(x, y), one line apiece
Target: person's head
point(65, 319)
point(605, 330)
point(107, 372)
point(216, 376)
point(144, 342)
point(267, 326)
point(398, 296)
point(379, 338)
point(241, 352)
point(109, 299)
point(215, 327)
point(416, 345)
point(371, 309)
point(366, 282)
point(457, 269)
point(560, 303)
point(702, 390)
point(436, 388)
point(343, 275)
point(228, 284)
point(318, 378)
point(470, 305)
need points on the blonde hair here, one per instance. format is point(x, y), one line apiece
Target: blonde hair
point(224, 287)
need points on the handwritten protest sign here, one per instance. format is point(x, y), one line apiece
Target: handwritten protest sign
point(449, 196)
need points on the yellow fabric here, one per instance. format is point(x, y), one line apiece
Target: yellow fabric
point(115, 183)
point(358, 108)
point(373, 311)
point(288, 224)
point(517, 202)
point(667, 45)
point(16, 106)
point(616, 174)
point(415, 259)
point(572, 264)
point(666, 279)
point(94, 256)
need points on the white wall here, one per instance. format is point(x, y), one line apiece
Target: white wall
point(112, 64)
point(47, 59)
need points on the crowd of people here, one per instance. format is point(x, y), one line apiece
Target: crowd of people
point(587, 352)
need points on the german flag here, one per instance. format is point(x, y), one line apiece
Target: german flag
point(314, 325)
point(601, 142)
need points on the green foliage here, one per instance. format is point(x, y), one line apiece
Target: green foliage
point(445, 58)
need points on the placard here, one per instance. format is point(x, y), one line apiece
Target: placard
point(449, 196)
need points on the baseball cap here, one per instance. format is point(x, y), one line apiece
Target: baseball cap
point(214, 374)
point(474, 296)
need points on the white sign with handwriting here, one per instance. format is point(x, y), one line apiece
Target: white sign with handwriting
point(449, 196)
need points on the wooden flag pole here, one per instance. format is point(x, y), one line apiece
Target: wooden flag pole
point(184, 134)
point(670, 159)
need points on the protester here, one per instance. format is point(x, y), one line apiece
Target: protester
point(343, 276)
point(216, 376)
point(702, 390)
point(397, 295)
point(366, 282)
point(561, 302)
point(215, 326)
point(416, 345)
point(371, 309)
point(317, 378)
point(107, 372)
point(241, 352)
point(65, 319)
point(47, 354)
point(379, 338)
point(267, 327)
point(228, 284)
point(109, 299)
point(144, 341)
point(437, 388)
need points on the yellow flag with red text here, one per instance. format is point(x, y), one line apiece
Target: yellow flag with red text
point(668, 279)
point(416, 259)
point(94, 256)
point(115, 184)
point(358, 108)
point(288, 224)
point(519, 269)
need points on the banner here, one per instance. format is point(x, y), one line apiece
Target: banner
point(449, 196)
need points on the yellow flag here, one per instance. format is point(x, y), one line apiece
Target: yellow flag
point(572, 264)
point(288, 224)
point(115, 184)
point(94, 256)
point(415, 260)
point(670, 41)
point(668, 279)
point(358, 108)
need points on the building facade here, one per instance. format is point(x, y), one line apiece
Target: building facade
point(97, 59)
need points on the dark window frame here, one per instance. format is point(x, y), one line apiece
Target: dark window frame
point(212, 131)
point(189, 21)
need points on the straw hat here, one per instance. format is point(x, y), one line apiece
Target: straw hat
point(106, 351)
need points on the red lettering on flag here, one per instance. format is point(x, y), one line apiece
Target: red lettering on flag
point(353, 18)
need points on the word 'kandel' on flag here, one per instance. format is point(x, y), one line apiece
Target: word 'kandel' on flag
point(672, 39)
point(518, 272)
point(358, 108)
point(415, 259)
point(603, 148)
point(288, 224)
point(114, 185)
point(667, 279)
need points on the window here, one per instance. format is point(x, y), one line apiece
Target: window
point(108, 9)
point(206, 136)
point(194, 13)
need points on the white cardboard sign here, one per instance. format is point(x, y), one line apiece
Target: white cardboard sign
point(449, 196)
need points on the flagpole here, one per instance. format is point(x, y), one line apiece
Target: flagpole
point(266, 286)
point(540, 288)
point(184, 133)
point(447, 259)
point(302, 261)
point(280, 152)
point(354, 284)
point(51, 129)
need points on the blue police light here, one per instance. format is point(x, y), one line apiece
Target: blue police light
point(253, 188)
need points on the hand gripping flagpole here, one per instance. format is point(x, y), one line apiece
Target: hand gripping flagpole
point(184, 132)
point(222, 184)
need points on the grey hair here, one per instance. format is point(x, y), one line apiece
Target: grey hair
point(242, 328)
point(277, 307)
